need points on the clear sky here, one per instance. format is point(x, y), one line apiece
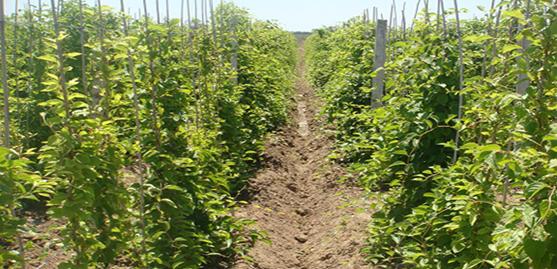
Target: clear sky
point(297, 15)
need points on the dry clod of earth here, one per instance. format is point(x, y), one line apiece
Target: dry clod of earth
point(311, 226)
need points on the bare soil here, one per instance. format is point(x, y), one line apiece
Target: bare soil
point(311, 219)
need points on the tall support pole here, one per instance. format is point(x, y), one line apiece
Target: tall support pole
point(61, 70)
point(395, 22)
point(404, 21)
point(461, 79)
point(5, 86)
point(84, 57)
point(495, 34)
point(390, 26)
point(105, 73)
point(6, 89)
point(31, 62)
point(444, 15)
point(154, 94)
point(158, 11)
point(415, 16)
point(213, 21)
point(192, 23)
point(489, 32)
point(379, 63)
point(188, 6)
point(182, 29)
point(207, 18)
point(167, 13)
point(15, 41)
point(131, 71)
point(426, 6)
point(235, 48)
point(438, 18)
point(523, 81)
point(203, 19)
point(195, 8)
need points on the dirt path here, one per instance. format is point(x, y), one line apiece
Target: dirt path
point(312, 220)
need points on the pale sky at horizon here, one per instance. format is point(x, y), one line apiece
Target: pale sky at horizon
point(296, 15)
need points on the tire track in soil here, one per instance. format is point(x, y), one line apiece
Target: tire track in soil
point(312, 220)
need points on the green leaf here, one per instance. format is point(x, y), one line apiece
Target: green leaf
point(48, 58)
point(477, 38)
point(535, 249)
point(510, 47)
point(517, 14)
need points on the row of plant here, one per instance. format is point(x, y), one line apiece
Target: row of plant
point(475, 190)
point(137, 133)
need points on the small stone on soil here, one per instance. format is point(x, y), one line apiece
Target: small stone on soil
point(301, 238)
point(302, 212)
point(326, 257)
point(292, 187)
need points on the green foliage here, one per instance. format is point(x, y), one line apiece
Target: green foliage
point(201, 121)
point(17, 185)
point(495, 206)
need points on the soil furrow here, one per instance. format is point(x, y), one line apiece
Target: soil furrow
point(311, 219)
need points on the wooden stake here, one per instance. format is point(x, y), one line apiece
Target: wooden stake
point(379, 63)
point(461, 78)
